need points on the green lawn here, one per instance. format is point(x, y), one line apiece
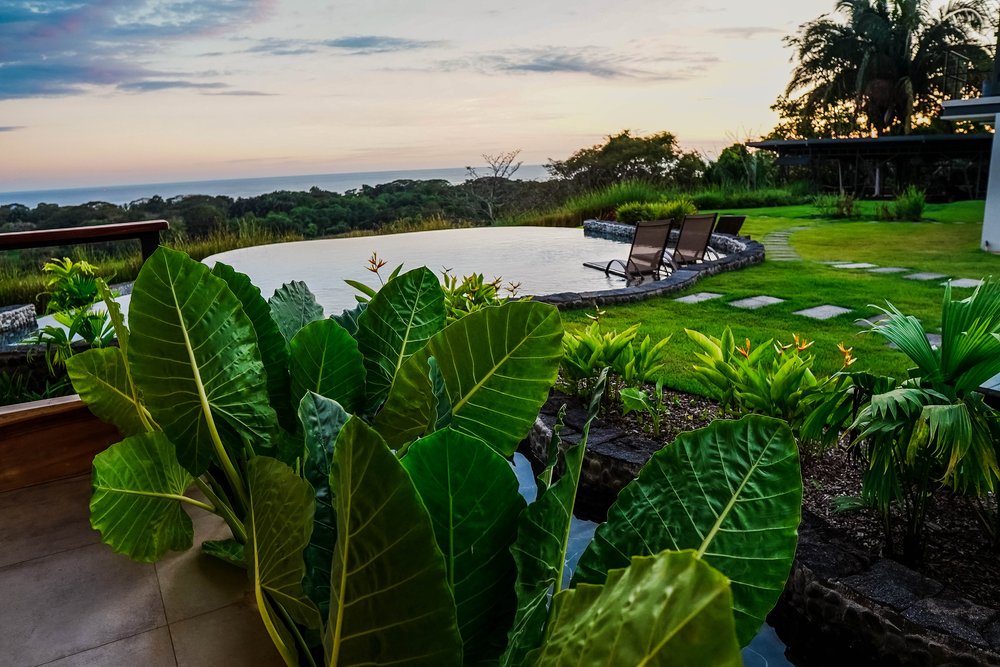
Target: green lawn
point(946, 243)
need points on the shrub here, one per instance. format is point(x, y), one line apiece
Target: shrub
point(674, 209)
point(723, 198)
point(909, 204)
point(365, 479)
point(599, 203)
point(834, 206)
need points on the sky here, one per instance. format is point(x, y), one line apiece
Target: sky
point(140, 91)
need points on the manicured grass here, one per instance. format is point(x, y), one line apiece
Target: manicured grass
point(949, 247)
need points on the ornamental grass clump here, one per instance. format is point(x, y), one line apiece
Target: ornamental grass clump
point(365, 476)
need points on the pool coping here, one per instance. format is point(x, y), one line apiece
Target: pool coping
point(741, 252)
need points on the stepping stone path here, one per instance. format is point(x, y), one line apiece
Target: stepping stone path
point(888, 269)
point(824, 312)
point(856, 265)
point(755, 302)
point(776, 247)
point(965, 282)
point(698, 298)
point(925, 276)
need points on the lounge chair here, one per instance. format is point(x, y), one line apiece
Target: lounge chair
point(726, 224)
point(730, 224)
point(645, 258)
point(692, 241)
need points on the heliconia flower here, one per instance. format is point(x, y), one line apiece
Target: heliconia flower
point(374, 263)
point(744, 352)
point(847, 352)
point(801, 343)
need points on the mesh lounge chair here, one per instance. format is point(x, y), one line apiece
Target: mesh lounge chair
point(730, 224)
point(646, 255)
point(726, 224)
point(692, 241)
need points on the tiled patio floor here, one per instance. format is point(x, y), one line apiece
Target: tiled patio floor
point(68, 600)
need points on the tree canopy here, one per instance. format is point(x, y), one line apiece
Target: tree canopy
point(879, 66)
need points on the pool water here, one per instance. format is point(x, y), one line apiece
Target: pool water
point(766, 649)
point(542, 260)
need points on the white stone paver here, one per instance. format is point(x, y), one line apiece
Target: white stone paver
point(925, 276)
point(755, 302)
point(888, 269)
point(965, 282)
point(855, 265)
point(823, 312)
point(698, 298)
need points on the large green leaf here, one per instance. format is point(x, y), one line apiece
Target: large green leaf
point(390, 601)
point(293, 306)
point(278, 523)
point(471, 494)
point(399, 320)
point(670, 609)
point(543, 536)
point(136, 503)
point(101, 378)
point(733, 492)
point(326, 360)
point(498, 365)
point(193, 354)
point(270, 342)
point(321, 420)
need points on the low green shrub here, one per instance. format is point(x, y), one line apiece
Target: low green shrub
point(724, 198)
point(673, 209)
point(366, 482)
point(836, 206)
point(909, 205)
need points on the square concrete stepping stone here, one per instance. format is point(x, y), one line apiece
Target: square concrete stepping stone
point(888, 269)
point(755, 302)
point(823, 312)
point(871, 321)
point(855, 265)
point(965, 282)
point(698, 298)
point(925, 276)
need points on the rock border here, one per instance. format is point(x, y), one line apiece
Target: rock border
point(841, 604)
point(740, 252)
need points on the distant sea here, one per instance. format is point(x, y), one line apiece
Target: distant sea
point(245, 187)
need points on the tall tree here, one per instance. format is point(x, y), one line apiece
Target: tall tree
point(621, 157)
point(879, 65)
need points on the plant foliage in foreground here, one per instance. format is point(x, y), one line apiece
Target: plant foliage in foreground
point(383, 524)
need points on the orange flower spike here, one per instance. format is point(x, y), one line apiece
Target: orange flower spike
point(802, 344)
point(849, 358)
point(744, 352)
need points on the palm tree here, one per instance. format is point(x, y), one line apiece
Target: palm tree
point(882, 61)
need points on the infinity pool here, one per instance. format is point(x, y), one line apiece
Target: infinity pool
point(543, 260)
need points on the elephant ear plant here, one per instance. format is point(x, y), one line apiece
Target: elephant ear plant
point(365, 476)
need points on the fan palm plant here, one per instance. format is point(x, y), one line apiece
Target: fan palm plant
point(880, 61)
point(934, 429)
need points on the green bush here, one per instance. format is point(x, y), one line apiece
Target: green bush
point(600, 203)
point(365, 479)
point(910, 204)
point(836, 206)
point(674, 209)
point(723, 198)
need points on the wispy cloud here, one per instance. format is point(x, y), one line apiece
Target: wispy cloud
point(61, 47)
point(11, 128)
point(588, 61)
point(151, 85)
point(357, 45)
point(746, 32)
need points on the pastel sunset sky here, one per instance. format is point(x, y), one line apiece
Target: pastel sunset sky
point(123, 91)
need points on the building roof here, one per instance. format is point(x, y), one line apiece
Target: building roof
point(951, 145)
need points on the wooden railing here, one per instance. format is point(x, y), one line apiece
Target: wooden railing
point(148, 233)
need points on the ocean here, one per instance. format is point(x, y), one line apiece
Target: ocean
point(244, 187)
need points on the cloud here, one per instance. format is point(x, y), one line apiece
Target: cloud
point(589, 61)
point(151, 85)
point(62, 47)
point(11, 128)
point(357, 45)
point(366, 44)
point(746, 32)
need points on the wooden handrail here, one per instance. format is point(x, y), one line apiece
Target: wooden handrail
point(148, 233)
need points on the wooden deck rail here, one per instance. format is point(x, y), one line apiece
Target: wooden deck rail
point(148, 233)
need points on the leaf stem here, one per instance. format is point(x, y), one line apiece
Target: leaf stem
point(223, 510)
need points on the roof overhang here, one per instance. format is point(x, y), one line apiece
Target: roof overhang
point(983, 109)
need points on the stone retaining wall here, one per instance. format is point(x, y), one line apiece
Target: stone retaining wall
point(841, 605)
point(740, 252)
point(17, 318)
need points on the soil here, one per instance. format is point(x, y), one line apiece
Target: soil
point(957, 553)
